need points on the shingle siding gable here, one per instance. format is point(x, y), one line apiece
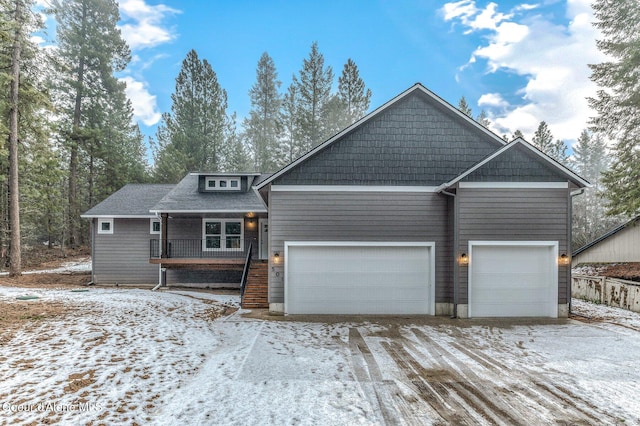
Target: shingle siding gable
point(416, 141)
point(517, 164)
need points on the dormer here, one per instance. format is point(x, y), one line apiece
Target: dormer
point(225, 182)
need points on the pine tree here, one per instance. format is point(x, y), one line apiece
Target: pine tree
point(483, 119)
point(314, 93)
point(517, 134)
point(352, 94)
point(590, 160)
point(235, 155)
point(90, 50)
point(291, 145)
point(618, 103)
point(191, 137)
point(543, 138)
point(464, 107)
point(262, 127)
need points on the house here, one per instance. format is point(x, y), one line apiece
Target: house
point(196, 233)
point(414, 209)
point(621, 244)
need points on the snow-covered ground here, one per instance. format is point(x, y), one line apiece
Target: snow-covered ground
point(77, 265)
point(127, 356)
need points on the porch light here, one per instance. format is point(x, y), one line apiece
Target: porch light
point(464, 259)
point(563, 259)
point(276, 257)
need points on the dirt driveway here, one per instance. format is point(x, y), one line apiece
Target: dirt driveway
point(139, 357)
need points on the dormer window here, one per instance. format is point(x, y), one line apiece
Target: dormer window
point(222, 184)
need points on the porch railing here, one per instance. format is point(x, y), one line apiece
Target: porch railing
point(245, 271)
point(196, 249)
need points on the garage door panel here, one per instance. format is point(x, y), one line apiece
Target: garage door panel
point(513, 279)
point(368, 279)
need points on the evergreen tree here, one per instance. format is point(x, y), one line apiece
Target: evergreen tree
point(262, 127)
point(517, 134)
point(90, 50)
point(352, 94)
point(464, 107)
point(236, 158)
point(291, 145)
point(191, 137)
point(314, 93)
point(543, 138)
point(483, 119)
point(590, 160)
point(618, 102)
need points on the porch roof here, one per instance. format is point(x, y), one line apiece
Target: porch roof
point(185, 198)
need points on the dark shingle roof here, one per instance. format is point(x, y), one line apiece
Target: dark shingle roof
point(185, 197)
point(131, 200)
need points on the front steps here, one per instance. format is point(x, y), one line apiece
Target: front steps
point(256, 292)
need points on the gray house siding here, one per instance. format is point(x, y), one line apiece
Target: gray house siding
point(417, 141)
point(513, 215)
point(123, 257)
point(359, 216)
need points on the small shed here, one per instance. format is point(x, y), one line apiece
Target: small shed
point(621, 244)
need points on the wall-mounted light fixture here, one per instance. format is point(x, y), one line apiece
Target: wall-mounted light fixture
point(563, 259)
point(276, 257)
point(463, 259)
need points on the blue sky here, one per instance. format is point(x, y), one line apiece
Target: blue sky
point(520, 62)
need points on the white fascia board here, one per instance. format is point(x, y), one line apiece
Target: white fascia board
point(515, 185)
point(206, 211)
point(223, 174)
point(361, 243)
point(116, 216)
point(351, 188)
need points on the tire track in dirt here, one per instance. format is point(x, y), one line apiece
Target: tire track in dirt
point(429, 389)
point(368, 374)
point(465, 383)
point(552, 397)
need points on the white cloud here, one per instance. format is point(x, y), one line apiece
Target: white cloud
point(494, 100)
point(553, 58)
point(144, 24)
point(145, 107)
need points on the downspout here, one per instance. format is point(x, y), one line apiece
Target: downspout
point(571, 195)
point(455, 251)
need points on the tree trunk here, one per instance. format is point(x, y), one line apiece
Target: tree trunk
point(74, 212)
point(15, 260)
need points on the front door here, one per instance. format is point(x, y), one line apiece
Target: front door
point(264, 238)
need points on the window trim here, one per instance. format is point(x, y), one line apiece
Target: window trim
point(217, 181)
point(151, 222)
point(106, 220)
point(223, 235)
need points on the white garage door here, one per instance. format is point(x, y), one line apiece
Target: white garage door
point(513, 279)
point(358, 278)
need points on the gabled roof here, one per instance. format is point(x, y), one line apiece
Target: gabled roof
point(608, 234)
point(532, 149)
point(185, 198)
point(132, 200)
point(416, 89)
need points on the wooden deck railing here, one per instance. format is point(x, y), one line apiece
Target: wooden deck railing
point(197, 249)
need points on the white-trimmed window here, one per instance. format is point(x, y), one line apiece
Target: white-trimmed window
point(222, 234)
point(222, 184)
point(154, 226)
point(105, 226)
